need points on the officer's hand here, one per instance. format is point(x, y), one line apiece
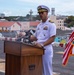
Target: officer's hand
point(33, 38)
point(38, 45)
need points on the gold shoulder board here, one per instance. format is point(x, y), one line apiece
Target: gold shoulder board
point(51, 21)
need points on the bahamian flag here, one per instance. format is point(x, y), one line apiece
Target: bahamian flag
point(68, 49)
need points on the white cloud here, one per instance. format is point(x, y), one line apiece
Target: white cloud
point(51, 3)
point(24, 6)
point(61, 6)
point(40, 2)
point(66, 8)
point(7, 13)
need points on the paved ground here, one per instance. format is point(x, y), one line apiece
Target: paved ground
point(57, 62)
point(2, 58)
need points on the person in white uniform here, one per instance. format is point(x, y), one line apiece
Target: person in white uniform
point(45, 35)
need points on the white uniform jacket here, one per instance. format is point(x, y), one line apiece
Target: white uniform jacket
point(43, 32)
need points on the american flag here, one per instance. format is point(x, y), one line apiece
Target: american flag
point(68, 49)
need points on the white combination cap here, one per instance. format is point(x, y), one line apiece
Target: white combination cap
point(42, 8)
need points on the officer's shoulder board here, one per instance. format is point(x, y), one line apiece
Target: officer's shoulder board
point(51, 21)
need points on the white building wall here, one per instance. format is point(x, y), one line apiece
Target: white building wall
point(53, 19)
point(58, 22)
point(15, 27)
point(0, 28)
point(25, 25)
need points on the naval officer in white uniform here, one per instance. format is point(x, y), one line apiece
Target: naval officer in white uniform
point(45, 35)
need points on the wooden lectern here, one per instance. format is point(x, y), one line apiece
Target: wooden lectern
point(22, 59)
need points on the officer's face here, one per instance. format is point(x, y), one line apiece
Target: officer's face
point(43, 15)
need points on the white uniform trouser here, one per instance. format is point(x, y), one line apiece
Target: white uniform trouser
point(47, 64)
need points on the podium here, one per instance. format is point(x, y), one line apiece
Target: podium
point(22, 59)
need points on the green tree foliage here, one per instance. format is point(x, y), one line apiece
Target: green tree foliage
point(11, 18)
point(27, 16)
point(36, 17)
point(21, 18)
point(70, 21)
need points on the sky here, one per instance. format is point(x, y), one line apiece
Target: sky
point(23, 7)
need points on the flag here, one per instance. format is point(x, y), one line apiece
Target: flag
point(72, 35)
point(68, 49)
point(67, 55)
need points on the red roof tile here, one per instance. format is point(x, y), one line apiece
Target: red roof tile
point(6, 24)
point(34, 23)
point(19, 23)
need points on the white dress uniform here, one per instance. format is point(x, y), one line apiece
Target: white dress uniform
point(43, 32)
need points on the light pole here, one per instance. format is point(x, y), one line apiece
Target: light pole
point(31, 15)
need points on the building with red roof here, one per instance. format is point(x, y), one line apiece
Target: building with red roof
point(33, 24)
point(9, 26)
